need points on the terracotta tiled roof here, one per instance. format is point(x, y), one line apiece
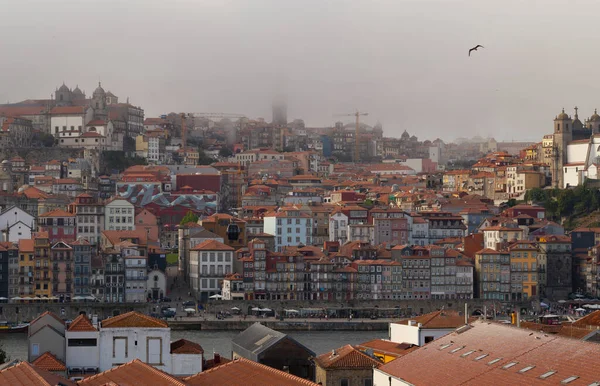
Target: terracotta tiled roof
point(26, 374)
point(439, 319)
point(133, 319)
point(244, 372)
point(387, 347)
point(183, 346)
point(57, 213)
point(592, 319)
point(346, 357)
point(495, 354)
point(212, 245)
point(26, 245)
point(132, 373)
point(48, 361)
point(82, 324)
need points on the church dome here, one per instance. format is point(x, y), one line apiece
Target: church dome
point(77, 91)
point(99, 90)
point(64, 88)
point(405, 135)
point(562, 115)
point(595, 117)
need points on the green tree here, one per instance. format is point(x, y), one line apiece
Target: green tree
point(189, 217)
point(3, 356)
point(203, 158)
point(225, 152)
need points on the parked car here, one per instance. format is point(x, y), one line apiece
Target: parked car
point(189, 303)
point(166, 299)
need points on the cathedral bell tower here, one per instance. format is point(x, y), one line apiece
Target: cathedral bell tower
point(562, 136)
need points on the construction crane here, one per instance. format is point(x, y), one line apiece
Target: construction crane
point(357, 114)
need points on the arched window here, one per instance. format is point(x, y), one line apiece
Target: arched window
point(557, 125)
point(60, 97)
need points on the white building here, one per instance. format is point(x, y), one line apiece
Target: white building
point(492, 236)
point(338, 227)
point(419, 234)
point(18, 222)
point(156, 285)
point(119, 214)
point(426, 328)
point(69, 119)
point(290, 227)
point(233, 287)
point(154, 149)
point(210, 261)
point(186, 358)
point(136, 273)
point(82, 351)
point(133, 335)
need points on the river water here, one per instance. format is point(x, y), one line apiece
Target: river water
point(220, 341)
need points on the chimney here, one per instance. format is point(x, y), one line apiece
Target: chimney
point(217, 358)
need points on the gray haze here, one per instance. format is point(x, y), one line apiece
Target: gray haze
point(405, 62)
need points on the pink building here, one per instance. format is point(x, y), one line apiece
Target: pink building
point(59, 224)
point(148, 222)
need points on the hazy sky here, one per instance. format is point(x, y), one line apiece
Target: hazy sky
point(405, 62)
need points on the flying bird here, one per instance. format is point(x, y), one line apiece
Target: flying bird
point(475, 48)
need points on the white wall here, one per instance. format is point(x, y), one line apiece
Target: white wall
point(81, 356)
point(186, 364)
point(401, 333)
point(121, 206)
point(382, 379)
point(66, 120)
point(126, 349)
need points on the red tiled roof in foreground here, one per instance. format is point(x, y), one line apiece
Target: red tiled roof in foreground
point(346, 357)
point(81, 324)
point(132, 373)
point(134, 319)
point(468, 357)
point(48, 361)
point(244, 372)
point(26, 374)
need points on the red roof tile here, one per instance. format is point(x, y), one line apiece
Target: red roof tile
point(212, 245)
point(81, 324)
point(183, 346)
point(244, 372)
point(444, 319)
point(346, 357)
point(133, 319)
point(48, 361)
point(26, 374)
point(132, 373)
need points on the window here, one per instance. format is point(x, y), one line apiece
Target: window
point(35, 349)
point(547, 374)
point(508, 366)
point(368, 382)
point(526, 369)
point(154, 351)
point(569, 380)
point(344, 382)
point(82, 343)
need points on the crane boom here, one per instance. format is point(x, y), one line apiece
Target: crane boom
point(357, 114)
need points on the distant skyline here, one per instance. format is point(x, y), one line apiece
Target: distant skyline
point(404, 62)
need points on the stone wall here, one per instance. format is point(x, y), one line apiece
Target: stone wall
point(14, 313)
point(285, 325)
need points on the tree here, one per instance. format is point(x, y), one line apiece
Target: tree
point(47, 140)
point(225, 152)
point(3, 356)
point(203, 159)
point(189, 217)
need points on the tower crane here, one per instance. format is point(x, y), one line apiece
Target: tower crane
point(356, 114)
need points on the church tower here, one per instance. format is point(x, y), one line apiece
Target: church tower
point(563, 126)
point(594, 123)
point(99, 103)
